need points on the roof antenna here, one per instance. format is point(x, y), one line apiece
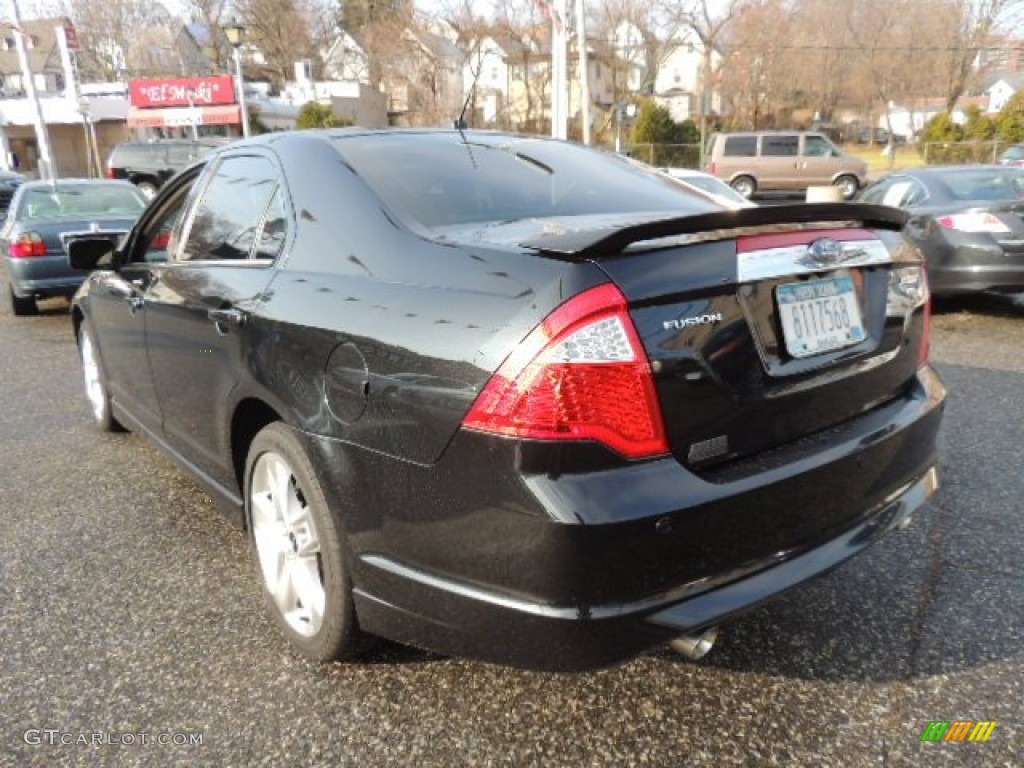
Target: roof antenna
point(460, 123)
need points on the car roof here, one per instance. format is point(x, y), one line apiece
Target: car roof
point(935, 171)
point(58, 183)
point(330, 134)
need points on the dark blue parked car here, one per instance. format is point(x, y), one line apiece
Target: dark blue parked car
point(44, 217)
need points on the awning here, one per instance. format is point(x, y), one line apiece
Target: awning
point(173, 117)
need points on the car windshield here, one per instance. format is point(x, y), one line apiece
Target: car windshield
point(439, 181)
point(76, 201)
point(984, 183)
point(1014, 153)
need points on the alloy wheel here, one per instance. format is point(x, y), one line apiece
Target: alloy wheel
point(287, 544)
point(94, 389)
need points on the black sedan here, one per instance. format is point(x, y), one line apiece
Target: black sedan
point(9, 183)
point(44, 217)
point(966, 219)
point(510, 397)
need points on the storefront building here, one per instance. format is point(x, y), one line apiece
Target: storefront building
point(185, 107)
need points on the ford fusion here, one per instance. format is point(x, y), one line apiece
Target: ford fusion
point(511, 398)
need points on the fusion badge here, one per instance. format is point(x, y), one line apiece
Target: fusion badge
point(692, 322)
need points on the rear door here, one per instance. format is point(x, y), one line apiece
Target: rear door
point(197, 312)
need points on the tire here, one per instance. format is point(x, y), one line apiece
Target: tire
point(848, 185)
point(744, 185)
point(96, 383)
point(301, 561)
point(22, 307)
point(147, 188)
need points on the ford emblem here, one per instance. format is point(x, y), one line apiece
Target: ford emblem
point(825, 252)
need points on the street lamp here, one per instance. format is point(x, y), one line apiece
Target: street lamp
point(89, 131)
point(235, 33)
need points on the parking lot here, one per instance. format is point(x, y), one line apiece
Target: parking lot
point(131, 607)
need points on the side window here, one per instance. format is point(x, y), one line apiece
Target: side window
point(740, 146)
point(230, 209)
point(916, 195)
point(876, 192)
point(274, 230)
point(159, 237)
point(817, 146)
point(784, 145)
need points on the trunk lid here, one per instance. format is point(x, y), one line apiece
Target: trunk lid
point(765, 326)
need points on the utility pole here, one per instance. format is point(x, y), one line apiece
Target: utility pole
point(47, 170)
point(559, 70)
point(581, 46)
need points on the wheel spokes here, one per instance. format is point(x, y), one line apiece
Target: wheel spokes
point(287, 545)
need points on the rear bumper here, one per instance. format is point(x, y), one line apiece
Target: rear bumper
point(974, 267)
point(536, 635)
point(44, 276)
point(580, 570)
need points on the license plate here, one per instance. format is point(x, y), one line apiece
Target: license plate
point(819, 316)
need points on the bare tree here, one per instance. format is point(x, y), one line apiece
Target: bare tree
point(109, 28)
point(759, 78)
point(280, 30)
point(970, 27)
point(527, 28)
point(212, 14)
point(626, 31)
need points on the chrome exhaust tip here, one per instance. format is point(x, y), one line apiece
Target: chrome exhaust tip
point(695, 647)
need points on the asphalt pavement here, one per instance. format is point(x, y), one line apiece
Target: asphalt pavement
point(131, 620)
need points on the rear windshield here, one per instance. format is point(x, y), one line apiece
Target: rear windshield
point(137, 153)
point(438, 180)
point(79, 201)
point(984, 183)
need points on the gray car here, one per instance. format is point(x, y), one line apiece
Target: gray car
point(966, 219)
point(44, 217)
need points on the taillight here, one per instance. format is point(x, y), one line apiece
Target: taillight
point(972, 222)
point(27, 244)
point(908, 291)
point(110, 173)
point(712, 167)
point(580, 375)
point(926, 335)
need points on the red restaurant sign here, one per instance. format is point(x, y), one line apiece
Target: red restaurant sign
point(176, 92)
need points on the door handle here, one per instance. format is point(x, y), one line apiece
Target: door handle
point(225, 317)
point(145, 282)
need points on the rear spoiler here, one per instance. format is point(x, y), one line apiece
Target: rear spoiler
point(596, 243)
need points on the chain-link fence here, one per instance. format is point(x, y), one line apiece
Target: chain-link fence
point(958, 152)
point(668, 155)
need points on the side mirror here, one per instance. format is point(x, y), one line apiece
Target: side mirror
point(91, 253)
